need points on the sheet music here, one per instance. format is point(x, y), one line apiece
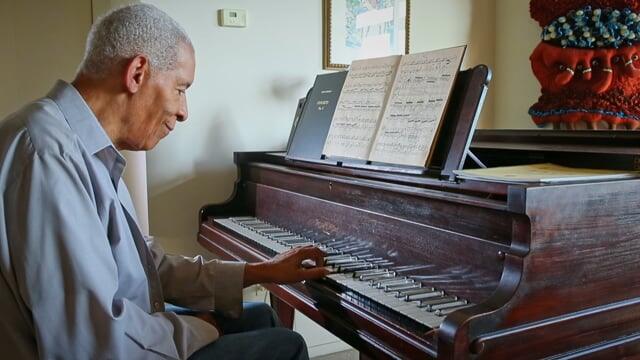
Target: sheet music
point(416, 106)
point(359, 107)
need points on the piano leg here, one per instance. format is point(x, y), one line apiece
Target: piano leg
point(283, 310)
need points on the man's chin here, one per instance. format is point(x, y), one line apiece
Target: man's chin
point(144, 146)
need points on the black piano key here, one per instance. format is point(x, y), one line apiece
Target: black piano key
point(337, 257)
point(353, 268)
point(337, 243)
point(383, 263)
point(351, 249)
point(401, 287)
point(357, 274)
point(444, 312)
point(394, 281)
point(282, 234)
point(436, 301)
point(375, 277)
point(426, 295)
point(448, 305)
point(296, 242)
point(241, 220)
point(366, 252)
point(421, 290)
point(274, 231)
point(347, 260)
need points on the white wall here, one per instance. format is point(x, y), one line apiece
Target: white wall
point(40, 42)
point(514, 87)
point(437, 24)
point(248, 80)
point(247, 84)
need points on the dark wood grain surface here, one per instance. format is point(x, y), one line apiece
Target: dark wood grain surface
point(552, 269)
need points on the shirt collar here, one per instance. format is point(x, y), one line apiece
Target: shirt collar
point(85, 124)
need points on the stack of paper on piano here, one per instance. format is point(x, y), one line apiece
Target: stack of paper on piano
point(543, 173)
point(390, 109)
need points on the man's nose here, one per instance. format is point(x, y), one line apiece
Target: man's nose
point(183, 112)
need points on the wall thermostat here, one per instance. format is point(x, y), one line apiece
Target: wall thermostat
point(232, 17)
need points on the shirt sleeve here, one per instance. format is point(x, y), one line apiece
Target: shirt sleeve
point(67, 276)
point(199, 284)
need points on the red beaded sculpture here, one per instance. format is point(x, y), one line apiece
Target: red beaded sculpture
point(587, 64)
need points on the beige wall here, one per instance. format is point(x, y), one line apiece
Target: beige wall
point(41, 41)
point(247, 84)
point(514, 87)
point(248, 80)
point(437, 24)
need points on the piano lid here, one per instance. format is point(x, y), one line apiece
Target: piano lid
point(607, 149)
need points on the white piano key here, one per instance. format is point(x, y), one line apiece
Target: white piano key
point(258, 238)
point(370, 283)
point(409, 309)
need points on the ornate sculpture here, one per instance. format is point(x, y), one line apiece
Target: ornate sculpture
point(588, 64)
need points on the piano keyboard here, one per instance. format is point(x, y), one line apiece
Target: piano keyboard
point(355, 268)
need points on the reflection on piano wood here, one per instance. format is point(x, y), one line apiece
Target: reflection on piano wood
point(430, 268)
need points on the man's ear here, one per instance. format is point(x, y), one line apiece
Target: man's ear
point(136, 73)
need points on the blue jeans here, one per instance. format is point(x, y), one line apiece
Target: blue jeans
point(255, 335)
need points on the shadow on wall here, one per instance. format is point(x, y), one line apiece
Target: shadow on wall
point(173, 211)
point(283, 90)
point(483, 18)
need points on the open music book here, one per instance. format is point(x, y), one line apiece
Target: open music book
point(390, 109)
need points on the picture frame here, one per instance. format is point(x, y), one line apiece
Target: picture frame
point(359, 29)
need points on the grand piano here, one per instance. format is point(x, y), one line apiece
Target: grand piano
point(429, 265)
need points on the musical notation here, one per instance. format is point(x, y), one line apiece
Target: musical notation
point(359, 107)
point(415, 108)
point(390, 108)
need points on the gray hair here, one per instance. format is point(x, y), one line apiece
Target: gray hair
point(128, 31)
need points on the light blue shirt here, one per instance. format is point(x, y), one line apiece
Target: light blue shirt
point(78, 279)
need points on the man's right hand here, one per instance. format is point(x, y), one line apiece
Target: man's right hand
point(297, 264)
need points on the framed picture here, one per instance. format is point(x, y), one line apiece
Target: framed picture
point(360, 29)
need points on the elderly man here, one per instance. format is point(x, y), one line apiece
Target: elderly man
point(79, 281)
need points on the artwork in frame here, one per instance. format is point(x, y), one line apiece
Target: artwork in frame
point(361, 29)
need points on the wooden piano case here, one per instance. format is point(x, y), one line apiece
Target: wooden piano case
point(551, 270)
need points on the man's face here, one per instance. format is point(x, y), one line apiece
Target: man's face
point(161, 103)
